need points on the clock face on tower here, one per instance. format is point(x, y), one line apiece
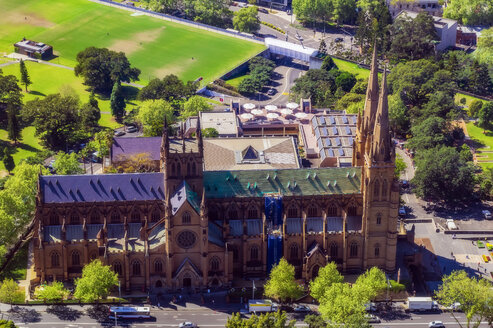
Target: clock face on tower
point(186, 239)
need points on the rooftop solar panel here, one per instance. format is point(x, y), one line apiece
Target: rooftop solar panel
point(317, 133)
point(344, 120)
point(324, 132)
point(341, 152)
point(314, 122)
point(322, 120)
point(355, 119)
point(348, 130)
point(334, 130)
point(320, 145)
point(327, 142)
point(338, 142)
point(332, 120)
point(330, 153)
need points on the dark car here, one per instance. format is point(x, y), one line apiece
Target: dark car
point(119, 133)
point(263, 10)
point(132, 129)
point(271, 92)
point(339, 39)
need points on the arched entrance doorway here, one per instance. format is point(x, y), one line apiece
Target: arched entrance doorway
point(159, 284)
point(187, 281)
point(315, 271)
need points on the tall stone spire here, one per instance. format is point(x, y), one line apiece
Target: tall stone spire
point(371, 102)
point(198, 134)
point(382, 142)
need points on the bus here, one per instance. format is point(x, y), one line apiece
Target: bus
point(130, 312)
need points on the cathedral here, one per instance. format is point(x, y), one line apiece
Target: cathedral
point(186, 227)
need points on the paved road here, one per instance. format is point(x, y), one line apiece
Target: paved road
point(74, 317)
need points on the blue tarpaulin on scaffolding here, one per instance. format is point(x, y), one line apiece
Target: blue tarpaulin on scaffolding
point(274, 251)
point(273, 210)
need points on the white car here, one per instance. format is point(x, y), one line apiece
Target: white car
point(187, 324)
point(372, 318)
point(402, 211)
point(242, 5)
point(487, 214)
point(436, 324)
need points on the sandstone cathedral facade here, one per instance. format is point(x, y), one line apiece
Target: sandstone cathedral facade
point(186, 227)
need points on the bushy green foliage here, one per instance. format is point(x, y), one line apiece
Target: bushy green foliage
point(151, 116)
point(282, 284)
point(210, 133)
point(66, 164)
point(246, 20)
point(96, 282)
point(117, 101)
point(193, 106)
point(470, 12)
point(10, 292)
point(53, 293)
point(168, 88)
point(327, 276)
point(267, 320)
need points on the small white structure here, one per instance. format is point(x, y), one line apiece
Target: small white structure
point(271, 108)
point(446, 29)
point(292, 105)
point(257, 112)
point(249, 106)
point(288, 49)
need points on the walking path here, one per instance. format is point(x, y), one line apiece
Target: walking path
point(29, 271)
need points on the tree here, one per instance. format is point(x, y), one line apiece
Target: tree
point(8, 160)
point(54, 293)
point(398, 114)
point(282, 284)
point(345, 81)
point(246, 20)
point(441, 175)
point(267, 320)
point(96, 282)
point(440, 104)
point(209, 12)
point(351, 103)
point(474, 296)
point(474, 108)
point(413, 38)
point(13, 126)
point(66, 164)
point(327, 276)
point(315, 321)
point(344, 11)
point(430, 133)
point(465, 153)
point(370, 284)
point(210, 133)
point(10, 292)
point(55, 119)
point(168, 88)
point(342, 306)
point(102, 143)
point(485, 45)
point(400, 166)
point(480, 81)
point(485, 116)
point(374, 20)
point(317, 84)
point(328, 63)
point(117, 101)
point(473, 12)
point(90, 114)
point(151, 115)
point(323, 48)
point(193, 106)
point(307, 11)
point(10, 93)
point(248, 86)
point(140, 163)
point(101, 68)
point(25, 79)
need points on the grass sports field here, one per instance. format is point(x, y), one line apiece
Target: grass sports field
point(155, 46)
point(484, 153)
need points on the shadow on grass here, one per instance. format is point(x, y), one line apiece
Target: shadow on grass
point(64, 313)
point(36, 93)
point(16, 269)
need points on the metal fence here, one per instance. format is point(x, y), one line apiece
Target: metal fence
point(238, 35)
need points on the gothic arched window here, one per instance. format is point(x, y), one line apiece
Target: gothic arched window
point(252, 213)
point(75, 258)
point(115, 217)
point(214, 264)
point(312, 211)
point(135, 215)
point(194, 169)
point(351, 211)
point(156, 215)
point(233, 214)
point(376, 190)
point(332, 211)
point(55, 259)
point(334, 250)
point(158, 266)
point(173, 169)
point(54, 219)
point(379, 218)
point(294, 250)
point(117, 267)
point(292, 212)
point(384, 189)
point(136, 268)
point(353, 250)
point(94, 217)
point(74, 218)
point(377, 250)
point(254, 253)
point(186, 218)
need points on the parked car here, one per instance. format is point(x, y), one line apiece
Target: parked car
point(405, 184)
point(263, 10)
point(402, 211)
point(119, 133)
point(187, 324)
point(371, 318)
point(271, 92)
point(132, 129)
point(339, 39)
point(302, 308)
point(242, 5)
point(487, 214)
point(436, 324)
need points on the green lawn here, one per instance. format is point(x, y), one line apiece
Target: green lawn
point(469, 99)
point(236, 81)
point(17, 267)
point(155, 46)
point(361, 73)
point(484, 139)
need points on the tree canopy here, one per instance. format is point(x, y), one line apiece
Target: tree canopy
point(327, 276)
point(151, 115)
point(432, 132)
point(246, 20)
point(53, 293)
point(413, 38)
point(474, 295)
point(96, 282)
point(485, 46)
point(101, 68)
point(193, 106)
point(442, 175)
point(66, 164)
point(168, 88)
point(267, 320)
point(10, 292)
point(470, 12)
point(282, 284)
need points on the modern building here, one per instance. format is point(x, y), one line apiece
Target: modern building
point(446, 29)
point(225, 123)
point(33, 49)
point(432, 7)
point(189, 227)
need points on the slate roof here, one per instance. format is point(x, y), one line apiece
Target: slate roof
point(294, 225)
point(215, 235)
point(236, 228)
point(124, 147)
point(183, 193)
point(254, 227)
point(102, 187)
point(74, 232)
point(321, 181)
point(315, 225)
point(334, 224)
point(52, 234)
point(157, 236)
point(354, 223)
point(92, 231)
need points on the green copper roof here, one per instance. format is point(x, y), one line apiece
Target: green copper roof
point(326, 181)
